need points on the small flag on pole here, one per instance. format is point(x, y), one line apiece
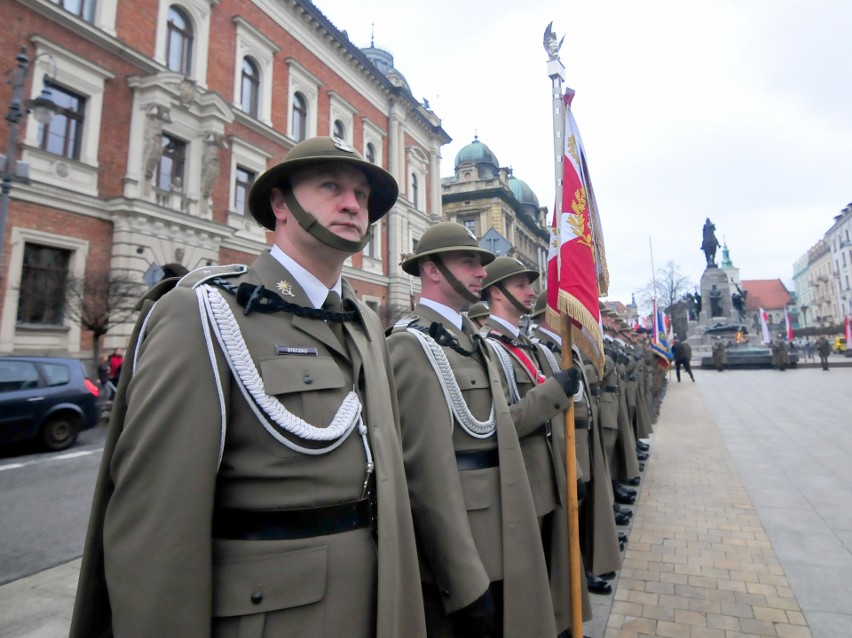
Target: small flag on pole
point(660, 344)
point(788, 326)
point(764, 326)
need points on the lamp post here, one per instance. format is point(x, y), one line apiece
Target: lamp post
point(43, 108)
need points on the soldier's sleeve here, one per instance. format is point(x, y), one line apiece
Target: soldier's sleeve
point(434, 486)
point(540, 403)
point(157, 527)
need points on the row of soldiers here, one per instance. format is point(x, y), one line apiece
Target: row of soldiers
point(277, 466)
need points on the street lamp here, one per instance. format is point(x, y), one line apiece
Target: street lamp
point(43, 108)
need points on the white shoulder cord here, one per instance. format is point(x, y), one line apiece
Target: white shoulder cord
point(245, 373)
point(551, 359)
point(508, 370)
point(451, 390)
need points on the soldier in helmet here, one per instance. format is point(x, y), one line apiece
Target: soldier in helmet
point(478, 313)
point(526, 370)
point(481, 556)
point(253, 482)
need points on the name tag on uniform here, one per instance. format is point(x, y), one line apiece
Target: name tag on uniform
point(296, 350)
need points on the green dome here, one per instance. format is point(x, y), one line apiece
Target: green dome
point(476, 153)
point(522, 192)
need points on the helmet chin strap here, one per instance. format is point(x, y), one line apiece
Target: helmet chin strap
point(512, 299)
point(320, 232)
point(451, 278)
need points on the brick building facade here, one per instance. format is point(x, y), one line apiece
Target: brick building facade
point(169, 110)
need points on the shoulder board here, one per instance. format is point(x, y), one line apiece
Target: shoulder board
point(402, 324)
point(206, 273)
point(157, 291)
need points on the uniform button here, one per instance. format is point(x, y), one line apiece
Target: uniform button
point(473, 382)
point(308, 379)
point(445, 593)
point(256, 598)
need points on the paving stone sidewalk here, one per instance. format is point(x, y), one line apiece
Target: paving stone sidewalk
point(699, 563)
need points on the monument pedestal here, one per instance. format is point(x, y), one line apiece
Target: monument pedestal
point(717, 311)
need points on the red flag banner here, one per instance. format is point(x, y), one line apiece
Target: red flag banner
point(576, 272)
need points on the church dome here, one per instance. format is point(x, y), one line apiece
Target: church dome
point(476, 153)
point(522, 192)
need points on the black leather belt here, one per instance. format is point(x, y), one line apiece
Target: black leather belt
point(477, 459)
point(611, 388)
point(268, 525)
point(582, 424)
point(595, 389)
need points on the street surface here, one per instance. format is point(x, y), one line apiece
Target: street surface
point(45, 500)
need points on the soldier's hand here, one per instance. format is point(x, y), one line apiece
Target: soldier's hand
point(477, 619)
point(569, 380)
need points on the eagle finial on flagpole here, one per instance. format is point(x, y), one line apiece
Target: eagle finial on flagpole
point(550, 44)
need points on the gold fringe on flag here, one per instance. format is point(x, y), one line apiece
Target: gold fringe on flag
point(587, 335)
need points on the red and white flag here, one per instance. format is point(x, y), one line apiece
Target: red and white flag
point(576, 266)
point(788, 326)
point(848, 330)
point(764, 326)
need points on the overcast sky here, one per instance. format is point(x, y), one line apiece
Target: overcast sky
point(736, 110)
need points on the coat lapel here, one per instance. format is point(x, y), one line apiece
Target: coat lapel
point(271, 273)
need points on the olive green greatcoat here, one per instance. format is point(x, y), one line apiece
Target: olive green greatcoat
point(151, 566)
point(601, 555)
point(473, 526)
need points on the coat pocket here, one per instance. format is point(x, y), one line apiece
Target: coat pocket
point(284, 375)
point(262, 583)
point(478, 491)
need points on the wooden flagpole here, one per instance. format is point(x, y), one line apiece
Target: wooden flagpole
point(556, 72)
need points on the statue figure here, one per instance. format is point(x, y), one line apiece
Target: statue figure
point(739, 305)
point(551, 43)
point(710, 243)
point(697, 296)
point(716, 302)
point(155, 116)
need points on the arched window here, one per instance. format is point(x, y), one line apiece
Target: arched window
point(414, 199)
point(339, 130)
point(178, 41)
point(250, 87)
point(370, 153)
point(300, 117)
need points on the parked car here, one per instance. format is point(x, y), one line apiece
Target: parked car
point(839, 344)
point(45, 398)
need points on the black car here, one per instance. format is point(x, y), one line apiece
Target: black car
point(45, 398)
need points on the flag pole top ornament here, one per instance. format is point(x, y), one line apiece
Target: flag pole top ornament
point(550, 42)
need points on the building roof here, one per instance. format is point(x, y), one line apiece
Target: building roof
point(522, 192)
point(476, 153)
point(766, 293)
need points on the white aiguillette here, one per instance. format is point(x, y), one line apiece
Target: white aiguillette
point(299, 351)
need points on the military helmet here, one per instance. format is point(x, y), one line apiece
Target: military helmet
point(444, 237)
point(316, 152)
point(478, 310)
point(504, 267)
point(540, 304)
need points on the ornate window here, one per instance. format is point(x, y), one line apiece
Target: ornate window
point(242, 184)
point(63, 135)
point(179, 41)
point(339, 130)
point(44, 274)
point(370, 153)
point(250, 87)
point(172, 161)
point(84, 9)
point(415, 195)
point(300, 117)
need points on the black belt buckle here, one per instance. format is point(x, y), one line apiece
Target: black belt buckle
point(582, 424)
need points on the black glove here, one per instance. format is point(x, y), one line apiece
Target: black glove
point(569, 380)
point(477, 619)
point(581, 489)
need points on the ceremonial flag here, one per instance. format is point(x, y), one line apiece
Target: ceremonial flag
point(660, 344)
point(764, 326)
point(848, 331)
point(576, 268)
point(788, 326)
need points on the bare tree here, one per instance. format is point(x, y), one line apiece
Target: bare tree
point(671, 287)
point(100, 301)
